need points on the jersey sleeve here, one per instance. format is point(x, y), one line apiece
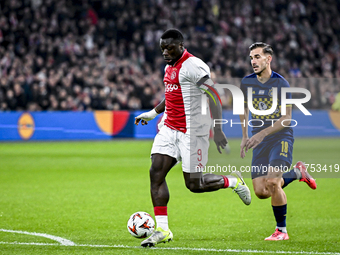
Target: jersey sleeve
point(195, 71)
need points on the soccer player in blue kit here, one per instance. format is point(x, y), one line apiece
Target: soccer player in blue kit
point(272, 142)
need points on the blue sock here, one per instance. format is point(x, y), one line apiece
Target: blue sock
point(288, 177)
point(280, 215)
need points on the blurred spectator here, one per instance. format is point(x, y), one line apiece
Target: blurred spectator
point(81, 55)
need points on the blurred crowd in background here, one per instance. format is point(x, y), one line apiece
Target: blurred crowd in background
point(84, 55)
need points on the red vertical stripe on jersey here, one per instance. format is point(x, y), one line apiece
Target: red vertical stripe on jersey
point(174, 103)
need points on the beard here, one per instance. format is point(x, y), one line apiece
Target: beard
point(260, 72)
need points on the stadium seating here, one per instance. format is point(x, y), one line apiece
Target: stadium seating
point(104, 55)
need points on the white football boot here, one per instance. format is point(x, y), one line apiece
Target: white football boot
point(241, 189)
point(159, 236)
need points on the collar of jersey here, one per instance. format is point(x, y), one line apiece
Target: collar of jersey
point(183, 54)
point(263, 84)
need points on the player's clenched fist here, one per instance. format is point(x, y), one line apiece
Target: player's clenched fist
point(145, 117)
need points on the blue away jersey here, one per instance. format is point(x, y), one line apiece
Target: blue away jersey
point(263, 100)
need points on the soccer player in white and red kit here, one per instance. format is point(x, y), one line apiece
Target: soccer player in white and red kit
point(185, 133)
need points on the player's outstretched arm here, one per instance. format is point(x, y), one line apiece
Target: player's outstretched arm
point(276, 127)
point(150, 115)
point(216, 111)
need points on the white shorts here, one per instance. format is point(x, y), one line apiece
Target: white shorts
point(191, 150)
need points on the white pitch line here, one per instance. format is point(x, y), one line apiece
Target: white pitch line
point(179, 248)
point(38, 244)
point(60, 240)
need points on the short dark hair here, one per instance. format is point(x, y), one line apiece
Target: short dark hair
point(173, 33)
point(266, 47)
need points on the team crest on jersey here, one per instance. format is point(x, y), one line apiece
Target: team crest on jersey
point(262, 106)
point(270, 92)
point(173, 75)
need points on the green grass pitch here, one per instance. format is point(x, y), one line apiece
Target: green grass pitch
point(86, 191)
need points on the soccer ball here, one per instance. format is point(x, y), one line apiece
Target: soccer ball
point(141, 225)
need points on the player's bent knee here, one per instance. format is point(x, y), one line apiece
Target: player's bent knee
point(262, 193)
point(260, 188)
point(273, 183)
point(193, 187)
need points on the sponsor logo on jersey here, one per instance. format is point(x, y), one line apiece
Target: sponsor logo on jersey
point(170, 87)
point(261, 92)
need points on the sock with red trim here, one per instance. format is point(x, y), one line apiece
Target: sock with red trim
point(229, 181)
point(161, 216)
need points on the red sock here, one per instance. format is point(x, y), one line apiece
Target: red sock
point(160, 210)
point(161, 216)
point(226, 181)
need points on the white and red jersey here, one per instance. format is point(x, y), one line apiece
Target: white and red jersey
point(183, 98)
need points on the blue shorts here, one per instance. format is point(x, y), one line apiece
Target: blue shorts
point(271, 151)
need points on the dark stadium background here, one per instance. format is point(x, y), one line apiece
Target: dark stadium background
point(81, 70)
point(85, 55)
